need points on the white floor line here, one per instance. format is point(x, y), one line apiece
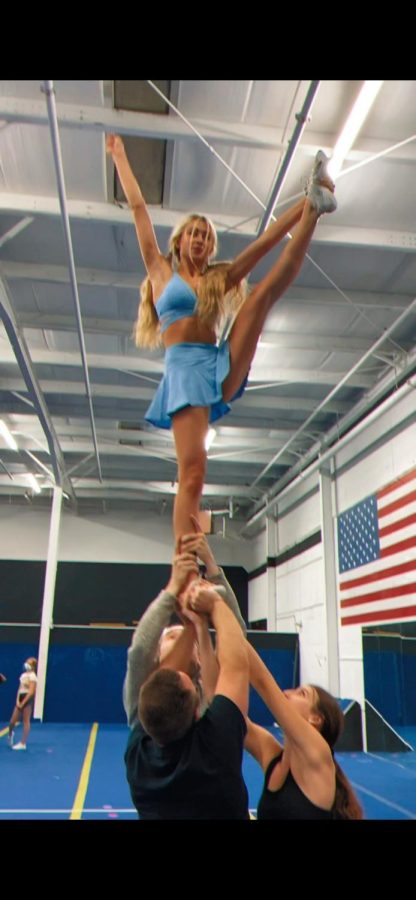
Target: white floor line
point(64, 811)
point(390, 762)
point(406, 812)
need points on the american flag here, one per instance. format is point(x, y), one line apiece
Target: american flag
point(377, 555)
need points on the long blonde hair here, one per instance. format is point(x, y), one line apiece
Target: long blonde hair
point(214, 305)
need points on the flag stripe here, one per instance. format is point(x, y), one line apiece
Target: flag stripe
point(403, 612)
point(397, 504)
point(378, 566)
point(395, 484)
point(396, 526)
point(402, 491)
point(397, 538)
point(398, 515)
point(380, 585)
point(375, 576)
point(386, 594)
point(396, 548)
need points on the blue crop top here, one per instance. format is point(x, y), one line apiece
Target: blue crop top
point(177, 301)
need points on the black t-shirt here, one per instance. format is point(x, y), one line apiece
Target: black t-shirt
point(197, 777)
point(289, 802)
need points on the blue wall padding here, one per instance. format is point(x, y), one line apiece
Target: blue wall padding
point(84, 682)
point(281, 664)
point(390, 678)
point(409, 681)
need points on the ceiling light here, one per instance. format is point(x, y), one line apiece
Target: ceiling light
point(355, 121)
point(7, 436)
point(210, 437)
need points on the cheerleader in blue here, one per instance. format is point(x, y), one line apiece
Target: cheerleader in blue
point(185, 298)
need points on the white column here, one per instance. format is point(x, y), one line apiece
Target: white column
point(330, 578)
point(48, 601)
point(271, 534)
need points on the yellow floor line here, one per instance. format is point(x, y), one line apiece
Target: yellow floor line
point(85, 774)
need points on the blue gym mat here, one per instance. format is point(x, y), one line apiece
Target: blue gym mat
point(42, 782)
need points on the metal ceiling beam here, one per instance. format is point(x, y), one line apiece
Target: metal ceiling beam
point(164, 487)
point(13, 232)
point(277, 340)
point(153, 125)
point(56, 147)
point(22, 356)
point(114, 450)
point(347, 379)
point(108, 213)
point(96, 360)
point(337, 436)
point(104, 488)
point(136, 364)
point(125, 281)
point(138, 124)
point(383, 239)
point(298, 474)
point(94, 211)
point(60, 275)
point(302, 119)
point(257, 401)
point(269, 339)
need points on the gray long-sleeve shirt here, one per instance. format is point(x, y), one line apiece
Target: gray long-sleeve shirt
point(141, 656)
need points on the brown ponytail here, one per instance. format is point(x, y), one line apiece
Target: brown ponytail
point(347, 805)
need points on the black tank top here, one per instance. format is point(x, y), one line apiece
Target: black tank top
point(289, 802)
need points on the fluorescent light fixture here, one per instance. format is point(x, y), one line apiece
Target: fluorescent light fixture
point(355, 121)
point(5, 433)
point(210, 437)
point(33, 483)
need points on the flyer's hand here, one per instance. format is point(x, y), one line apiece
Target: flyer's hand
point(184, 565)
point(114, 144)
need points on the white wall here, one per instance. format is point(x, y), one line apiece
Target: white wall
point(294, 524)
point(301, 608)
point(383, 464)
point(111, 537)
point(258, 598)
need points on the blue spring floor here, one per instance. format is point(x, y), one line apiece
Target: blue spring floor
point(42, 782)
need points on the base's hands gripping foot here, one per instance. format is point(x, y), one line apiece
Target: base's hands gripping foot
point(320, 187)
point(201, 597)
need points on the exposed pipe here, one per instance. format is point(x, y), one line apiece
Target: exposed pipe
point(48, 90)
point(2, 464)
point(13, 232)
point(24, 362)
point(302, 118)
point(369, 352)
point(369, 420)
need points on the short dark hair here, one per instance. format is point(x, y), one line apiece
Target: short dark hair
point(166, 707)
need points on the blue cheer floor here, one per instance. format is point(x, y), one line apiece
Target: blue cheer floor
point(77, 771)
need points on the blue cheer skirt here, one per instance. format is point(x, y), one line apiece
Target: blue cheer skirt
point(194, 375)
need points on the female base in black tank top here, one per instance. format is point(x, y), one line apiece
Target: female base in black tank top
point(289, 802)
